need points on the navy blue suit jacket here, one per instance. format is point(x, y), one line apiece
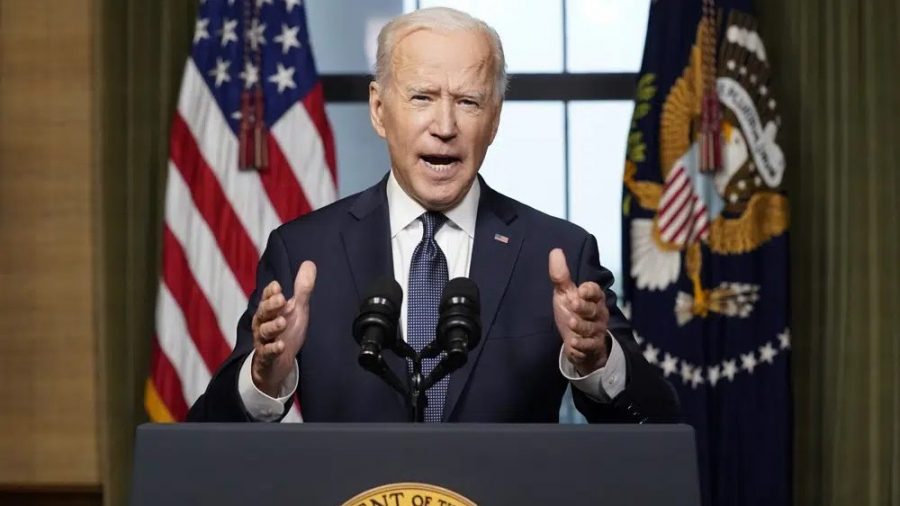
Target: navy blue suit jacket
point(511, 376)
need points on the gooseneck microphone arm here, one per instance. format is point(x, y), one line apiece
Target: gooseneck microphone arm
point(379, 368)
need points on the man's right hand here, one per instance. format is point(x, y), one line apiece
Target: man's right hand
point(279, 330)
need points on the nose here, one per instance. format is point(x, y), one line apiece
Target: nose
point(443, 124)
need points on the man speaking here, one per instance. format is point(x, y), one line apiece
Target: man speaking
point(548, 317)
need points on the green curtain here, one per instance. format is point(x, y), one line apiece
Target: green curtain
point(837, 66)
point(141, 51)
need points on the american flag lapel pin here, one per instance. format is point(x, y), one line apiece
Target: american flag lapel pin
point(501, 238)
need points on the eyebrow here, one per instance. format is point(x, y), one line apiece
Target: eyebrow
point(421, 90)
point(431, 90)
point(476, 95)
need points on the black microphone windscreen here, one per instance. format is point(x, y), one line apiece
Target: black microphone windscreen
point(386, 287)
point(461, 287)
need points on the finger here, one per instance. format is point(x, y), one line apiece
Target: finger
point(573, 353)
point(581, 327)
point(271, 289)
point(268, 291)
point(304, 284)
point(268, 352)
point(587, 346)
point(269, 308)
point(585, 309)
point(271, 329)
point(559, 271)
point(602, 315)
point(591, 291)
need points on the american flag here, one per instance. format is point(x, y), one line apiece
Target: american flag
point(250, 149)
point(683, 217)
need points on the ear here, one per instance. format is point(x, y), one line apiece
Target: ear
point(376, 108)
point(496, 125)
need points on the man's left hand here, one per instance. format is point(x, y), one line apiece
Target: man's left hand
point(581, 317)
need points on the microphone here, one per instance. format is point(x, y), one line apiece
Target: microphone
point(459, 324)
point(376, 325)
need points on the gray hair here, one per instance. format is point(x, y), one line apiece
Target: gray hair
point(439, 19)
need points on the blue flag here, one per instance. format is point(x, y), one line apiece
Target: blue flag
point(705, 245)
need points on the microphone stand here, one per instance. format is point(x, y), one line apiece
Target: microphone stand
point(416, 399)
point(414, 396)
point(380, 369)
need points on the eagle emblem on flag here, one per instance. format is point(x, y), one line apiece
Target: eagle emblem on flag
point(720, 183)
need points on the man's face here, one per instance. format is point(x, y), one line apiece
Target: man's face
point(438, 113)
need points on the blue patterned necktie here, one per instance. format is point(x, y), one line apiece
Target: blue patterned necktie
point(427, 277)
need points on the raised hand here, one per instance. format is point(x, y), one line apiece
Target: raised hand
point(279, 330)
point(581, 317)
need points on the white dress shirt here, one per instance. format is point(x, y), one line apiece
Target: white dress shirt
point(455, 239)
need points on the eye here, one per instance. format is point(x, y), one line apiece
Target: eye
point(420, 98)
point(468, 102)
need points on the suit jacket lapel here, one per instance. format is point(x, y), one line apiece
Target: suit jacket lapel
point(498, 240)
point(367, 238)
point(367, 245)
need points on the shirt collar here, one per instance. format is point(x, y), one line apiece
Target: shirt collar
point(403, 210)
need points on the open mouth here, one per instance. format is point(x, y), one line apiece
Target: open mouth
point(439, 163)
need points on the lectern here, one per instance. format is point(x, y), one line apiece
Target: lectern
point(414, 464)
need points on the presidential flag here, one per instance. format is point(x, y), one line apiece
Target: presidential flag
point(705, 220)
point(250, 149)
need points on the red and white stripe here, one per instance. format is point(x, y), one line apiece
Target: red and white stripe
point(217, 220)
point(682, 217)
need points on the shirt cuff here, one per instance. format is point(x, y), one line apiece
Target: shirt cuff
point(603, 384)
point(258, 404)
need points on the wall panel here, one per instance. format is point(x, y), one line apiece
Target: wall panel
point(48, 407)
